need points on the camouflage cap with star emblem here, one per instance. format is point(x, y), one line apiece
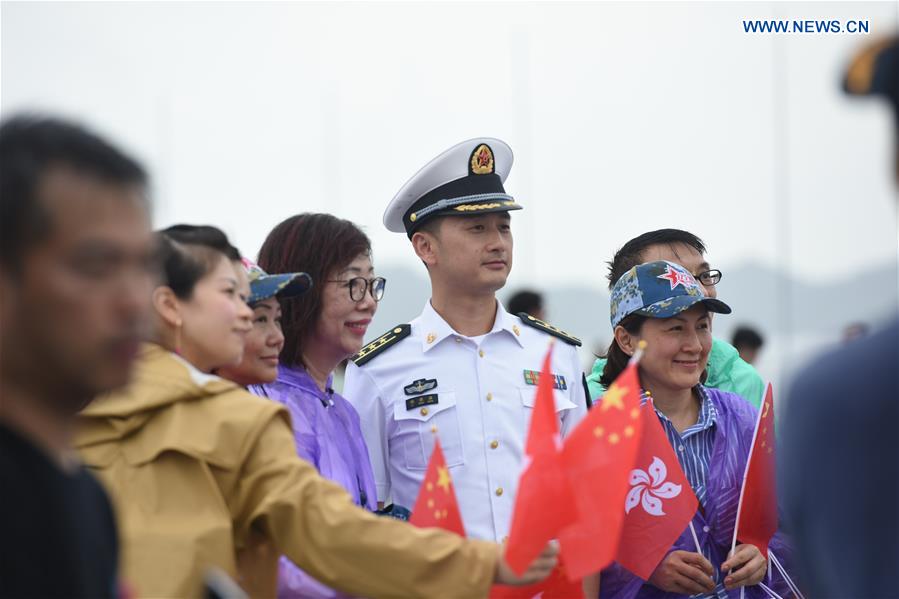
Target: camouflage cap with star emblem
point(658, 289)
point(467, 179)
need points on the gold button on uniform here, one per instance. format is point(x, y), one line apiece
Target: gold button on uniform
point(494, 444)
point(424, 411)
point(490, 397)
point(499, 491)
point(481, 352)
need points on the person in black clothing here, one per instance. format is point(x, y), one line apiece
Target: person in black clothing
point(76, 273)
point(840, 448)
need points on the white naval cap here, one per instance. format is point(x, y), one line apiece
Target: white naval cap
point(465, 180)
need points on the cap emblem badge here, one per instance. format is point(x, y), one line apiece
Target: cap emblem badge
point(482, 160)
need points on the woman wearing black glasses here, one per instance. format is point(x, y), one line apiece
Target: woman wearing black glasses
point(322, 328)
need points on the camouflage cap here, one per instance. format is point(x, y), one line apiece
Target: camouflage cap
point(264, 285)
point(659, 289)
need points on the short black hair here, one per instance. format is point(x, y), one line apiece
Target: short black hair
point(190, 252)
point(630, 254)
point(30, 145)
point(526, 301)
point(745, 336)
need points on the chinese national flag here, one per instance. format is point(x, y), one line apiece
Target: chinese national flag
point(757, 511)
point(597, 459)
point(660, 503)
point(436, 504)
point(543, 503)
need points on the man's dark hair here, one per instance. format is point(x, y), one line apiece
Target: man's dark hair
point(29, 147)
point(630, 254)
point(747, 337)
point(189, 252)
point(526, 301)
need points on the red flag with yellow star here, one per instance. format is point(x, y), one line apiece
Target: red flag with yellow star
point(597, 458)
point(544, 503)
point(757, 510)
point(436, 505)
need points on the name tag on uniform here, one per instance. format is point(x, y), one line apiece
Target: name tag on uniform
point(418, 402)
point(532, 377)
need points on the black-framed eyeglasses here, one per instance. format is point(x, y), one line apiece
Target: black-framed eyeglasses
point(710, 277)
point(359, 285)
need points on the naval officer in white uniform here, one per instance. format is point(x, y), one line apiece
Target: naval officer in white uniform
point(465, 366)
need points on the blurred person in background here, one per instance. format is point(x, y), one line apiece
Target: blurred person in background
point(205, 477)
point(527, 301)
point(748, 343)
point(323, 328)
point(726, 370)
point(839, 475)
point(76, 270)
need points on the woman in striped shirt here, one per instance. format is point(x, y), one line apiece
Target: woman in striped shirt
point(710, 430)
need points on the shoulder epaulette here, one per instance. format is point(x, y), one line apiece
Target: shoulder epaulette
point(548, 328)
point(379, 345)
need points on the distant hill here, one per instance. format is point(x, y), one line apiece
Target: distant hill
point(754, 292)
point(816, 314)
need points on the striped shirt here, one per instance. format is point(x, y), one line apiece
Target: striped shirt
point(694, 446)
point(694, 452)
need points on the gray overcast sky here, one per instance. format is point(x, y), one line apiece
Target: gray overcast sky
point(623, 117)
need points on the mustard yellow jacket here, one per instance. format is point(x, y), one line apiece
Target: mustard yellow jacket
point(205, 475)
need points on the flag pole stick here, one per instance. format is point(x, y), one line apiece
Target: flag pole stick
point(783, 573)
point(641, 347)
point(696, 539)
point(769, 590)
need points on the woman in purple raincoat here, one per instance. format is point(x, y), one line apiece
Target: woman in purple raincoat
point(661, 304)
point(322, 328)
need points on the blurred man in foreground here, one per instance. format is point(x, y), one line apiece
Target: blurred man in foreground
point(840, 461)
point(75, 279)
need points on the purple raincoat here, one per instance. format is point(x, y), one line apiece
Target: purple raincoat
point(733, 437)
point(328, 434)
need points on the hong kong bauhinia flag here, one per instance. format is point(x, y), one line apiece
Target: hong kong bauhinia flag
point(757, 510)
point(436, 504)
point(660, 502)
point(597, 457)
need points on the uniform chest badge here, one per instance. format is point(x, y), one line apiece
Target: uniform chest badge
point(532, 377)
point(420, 386)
